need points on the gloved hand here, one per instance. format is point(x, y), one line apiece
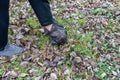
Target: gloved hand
point(57, 33)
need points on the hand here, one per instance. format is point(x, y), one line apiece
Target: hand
point(57, 33)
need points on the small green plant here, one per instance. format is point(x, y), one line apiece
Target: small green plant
point(97, 11)
point(82, 15)
point(1, 72)
point(41, 72)
point(109, 15)
point(21, 78)
point(60, 21)
point(82, 48)
point(69, 21)
point(77, 78)
point(82, 22)
point(33, 23)
point(42, 41)
point(104, 70)
point(119, 4)
point(15, 63)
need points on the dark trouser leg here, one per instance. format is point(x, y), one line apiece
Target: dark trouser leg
point(4, 22)
point(6, 49)
point(42, 10)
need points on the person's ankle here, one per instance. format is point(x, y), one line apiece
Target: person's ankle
point(48, 27)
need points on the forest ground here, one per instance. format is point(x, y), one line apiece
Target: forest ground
point(92, 51)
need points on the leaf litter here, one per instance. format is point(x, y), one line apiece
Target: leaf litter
point(85, 56)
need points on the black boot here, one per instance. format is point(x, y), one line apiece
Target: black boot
point(57, 33)
point(9, 50)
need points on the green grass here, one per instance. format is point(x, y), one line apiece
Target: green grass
point(1, 72)
point(33, 23)
point(82, 43)
point(104, 68)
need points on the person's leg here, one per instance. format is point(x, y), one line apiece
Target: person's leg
point(4, 22)
point(5, 48)
point(42, 9)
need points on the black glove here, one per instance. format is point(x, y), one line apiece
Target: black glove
point(57, 33)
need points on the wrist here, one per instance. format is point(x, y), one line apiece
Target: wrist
point(48, 27)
